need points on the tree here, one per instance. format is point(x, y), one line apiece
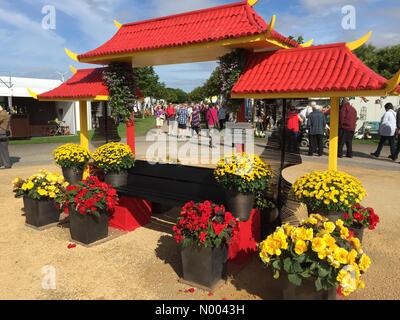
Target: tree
point(385, 61)
point(198, 94)
point(299, 40)
point(149, 82)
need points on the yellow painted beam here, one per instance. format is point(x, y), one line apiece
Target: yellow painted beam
point(307, 44)
point(84, 132)
point(358, 43)
point(71, 54)
point(117, 24)
point(33, 94)
point(252, 2)
point(334, 134)
point(73, 69)
point(101, 98)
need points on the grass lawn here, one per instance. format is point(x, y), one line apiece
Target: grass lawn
point(142, 126)
point(366, 141)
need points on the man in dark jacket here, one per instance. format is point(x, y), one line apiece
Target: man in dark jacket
point(316, 126)
point(347, 127)
point(396, 154)
point(5, 160)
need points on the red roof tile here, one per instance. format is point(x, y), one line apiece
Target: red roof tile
point(213, 24)
point(315, 69)
point(85, 83)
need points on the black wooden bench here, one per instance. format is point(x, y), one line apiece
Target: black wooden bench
point(171, 184)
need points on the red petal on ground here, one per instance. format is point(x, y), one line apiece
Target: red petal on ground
point(71, 246)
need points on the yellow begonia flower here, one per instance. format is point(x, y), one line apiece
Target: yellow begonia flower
point(300, 247)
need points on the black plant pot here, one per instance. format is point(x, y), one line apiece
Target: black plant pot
point(239, 204)
point(73, 175)
point(358, 230)
point(306, 291)
point(268, 221)
point(88, 228)
point(40, 213)
point(204, 266)
point(117, 179)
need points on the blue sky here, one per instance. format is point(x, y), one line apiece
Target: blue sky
point(29, 50)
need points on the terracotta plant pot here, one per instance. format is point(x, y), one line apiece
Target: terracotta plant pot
point(117, 179)
point(40, 213)
point(306, 291)
point(239, 204)
point(204, 266)
point(88, 228)
point(72, 175)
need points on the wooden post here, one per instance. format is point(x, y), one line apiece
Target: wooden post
point(84, 134)
point(334, 134)
point(130, 133)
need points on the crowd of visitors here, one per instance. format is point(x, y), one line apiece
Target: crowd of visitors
point(184, 120)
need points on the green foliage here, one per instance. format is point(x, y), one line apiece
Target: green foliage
point(173, 95)
point(299, 40)
point(231, 67)
point(122, 84)
point(149, 82)
point(385, 61)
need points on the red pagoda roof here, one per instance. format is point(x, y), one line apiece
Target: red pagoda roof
point(318, 69)
point(85, 84)
point(213, 24)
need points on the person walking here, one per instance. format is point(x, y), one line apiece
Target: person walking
point(189, 126)
point(171, 119)
point(160, 116)
point(387, 130)
point(347, 127)
point(212, 122)
point(316, 127)
point(5, 160)
point(195, 120)
point(221, 117)
point(293, 128)
point(396, 154)
point(183, 116)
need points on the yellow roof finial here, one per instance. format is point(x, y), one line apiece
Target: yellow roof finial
point(71, 54)
point(73, 69)
point(308, 43)
point(392, 83)
point(117, 24)
point(252, 2)
point(33, 94)
point(272, 23)
point(358, 43)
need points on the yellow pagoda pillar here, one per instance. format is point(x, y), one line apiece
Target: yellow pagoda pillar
point(84, 133)
point(334, 134)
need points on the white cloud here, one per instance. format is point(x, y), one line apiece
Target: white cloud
point(165, 7)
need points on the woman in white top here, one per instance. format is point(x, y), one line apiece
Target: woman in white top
point(387, 131)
